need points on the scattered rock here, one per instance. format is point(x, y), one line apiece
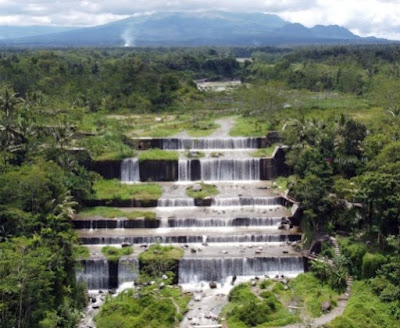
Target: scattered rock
point(126, 245)
point(197, 298)
point(152, 283)
point(158, 119)
point(193, 250)
point(164, 277)
point(285, 287)
point(213, 285)
point(225, 252)
point(233, 280)
point(96, 305)
point(204, 244)
point(258, 252)
point(284, 281)
point(285, 252)
point(161, 285)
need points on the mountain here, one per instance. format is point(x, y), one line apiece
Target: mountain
point(195, 29)
point(14, 32)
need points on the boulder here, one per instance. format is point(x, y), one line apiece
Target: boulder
point(326, 306)
point(197, 188)
point(164, 277)
point(213, 285)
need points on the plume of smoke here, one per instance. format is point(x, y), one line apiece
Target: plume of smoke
point(128, 37)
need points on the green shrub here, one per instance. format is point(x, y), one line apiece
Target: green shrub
point(371, 263)
point(114, 253)
point(158, 260)
point(354, 252)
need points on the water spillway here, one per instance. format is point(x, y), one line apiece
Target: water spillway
point(130, 171)
point(100, 273)
point(194, 270)
point(236, 233)
point(219, 169)
point(211, 143)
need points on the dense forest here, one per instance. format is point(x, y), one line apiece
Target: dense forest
point(338, 109)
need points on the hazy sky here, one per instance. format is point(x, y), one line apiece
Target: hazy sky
point(380, 18)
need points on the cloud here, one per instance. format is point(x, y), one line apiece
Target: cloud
point(365, 17)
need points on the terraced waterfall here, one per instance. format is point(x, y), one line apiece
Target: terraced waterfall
point(244, 231)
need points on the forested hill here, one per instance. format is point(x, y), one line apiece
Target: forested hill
point(197, 29)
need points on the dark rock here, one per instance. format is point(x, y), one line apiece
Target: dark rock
point(126, 245)
point(213, 285)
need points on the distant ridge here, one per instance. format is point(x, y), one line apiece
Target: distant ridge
point(213, 28)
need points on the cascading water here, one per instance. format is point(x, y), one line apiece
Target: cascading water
point(211, 143)
point(175, 202)
point(128, 270)
point(184, 170)
point(246, 201)
point(130, 170)
point(222, 222)
point(220, 169)
point(191, 239)
point(95, 273)
point(194, 270)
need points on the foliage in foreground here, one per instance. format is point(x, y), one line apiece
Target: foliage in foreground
point(365, 309)
point(247, 310)
point(147, 308)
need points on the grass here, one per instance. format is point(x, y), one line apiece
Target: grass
point(158, 154)
point(112, 212)
point(264, 152)
point(246, 309)
point(82, 252)
point(281, 183)
point(207, 190)
point(198, 124)
point(148, 308)
point(365, 309)
point(114, 189)
point(114, 253)
point(249, 127)
point(156, 252)
point(312, 293)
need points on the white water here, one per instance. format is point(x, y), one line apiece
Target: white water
point(217, 269)
point(210, 143)
point(130, 170)
point(220, 169)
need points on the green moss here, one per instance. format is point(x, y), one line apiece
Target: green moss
point(114, 253)
point(365, 309)
point(264, 152)
point(207, 190)
point(112, 212)
point(114, 189)
point(158, 155)
point(147, 308)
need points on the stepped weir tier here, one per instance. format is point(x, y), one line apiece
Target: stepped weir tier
point(245, 230)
